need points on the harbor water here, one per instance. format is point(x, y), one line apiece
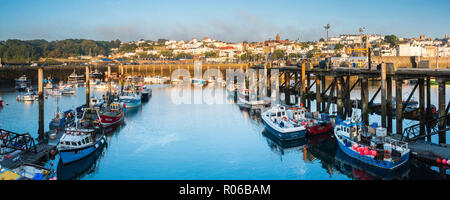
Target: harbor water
point(164, 140)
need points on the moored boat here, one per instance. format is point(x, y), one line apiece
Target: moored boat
point(279, 124)
point(111, 114)
point(82, 140)
point(377, 149)
point(146, 93)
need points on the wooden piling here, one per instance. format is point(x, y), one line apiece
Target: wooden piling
point(422, 114)
point(318, 96)
point(399, 106)
point(442, 114)
point(389, 104)
point(365, 100)
point(383, 95)
point(109, 81)
point(41, 102)
point(324, 85)
point(87, 86)
point(428, 110)
point(340, 102)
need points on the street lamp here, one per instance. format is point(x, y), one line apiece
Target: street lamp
point(326, 28)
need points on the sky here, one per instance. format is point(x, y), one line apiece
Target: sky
point(225, 20)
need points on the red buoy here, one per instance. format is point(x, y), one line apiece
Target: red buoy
point(438, 160)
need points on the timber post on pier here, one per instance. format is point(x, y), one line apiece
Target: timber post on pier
point(41, 102)
point(109, 81)
point(88, 88)
point(318, 96)
point(429, 114)
point(389, 68)
point(398, 106)
point(365, 100)
point(442, 112)
point(121, 78)
point(339, 102)
point(303, 84)
point(422, 113)
point(383, 96)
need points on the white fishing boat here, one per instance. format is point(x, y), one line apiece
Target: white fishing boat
point(279, 124)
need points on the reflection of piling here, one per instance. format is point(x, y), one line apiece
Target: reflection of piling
point(88, 88)
point(442, 114)
point(41, 102)
point(398, 106)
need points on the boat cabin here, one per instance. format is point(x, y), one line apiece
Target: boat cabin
point(75, 139)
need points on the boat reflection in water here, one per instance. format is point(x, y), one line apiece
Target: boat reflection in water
point(324, 148)
point(282, 147)
point(87, 165)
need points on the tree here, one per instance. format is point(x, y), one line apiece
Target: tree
point(278, 54)
point(338, 46)
point(392, 40)
point(322, 40)
point(211, 54)
point(312, 52)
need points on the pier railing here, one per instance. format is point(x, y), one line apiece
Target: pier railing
point(16, 141)
point(412, 133)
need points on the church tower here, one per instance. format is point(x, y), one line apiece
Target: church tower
point(278, 37)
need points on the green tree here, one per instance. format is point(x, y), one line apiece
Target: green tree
point(392, 40)
point(278, 54)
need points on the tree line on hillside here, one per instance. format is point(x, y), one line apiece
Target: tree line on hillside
point(17, 51)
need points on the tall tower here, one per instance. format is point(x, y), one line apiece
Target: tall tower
point(278, 37)
point(446, 36)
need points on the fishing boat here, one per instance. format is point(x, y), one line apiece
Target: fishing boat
point(30, 95)
point(22, 83)
point(28, 171)
point(75, 79)
point(198, 82)
point(279, 124)
point(130, 99)
point(1, 102)
point(246, 102)
point(316, 123)
point(111, 114)
point(83, 139)
point(68, 91)
point(146, 93)
point(54, 92)
point(375, 149)
point(62, 119)
point(49, 85)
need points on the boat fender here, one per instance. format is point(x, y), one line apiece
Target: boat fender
point(284, 118)
point(444, 161)
point(96, 145)
point(387, 154)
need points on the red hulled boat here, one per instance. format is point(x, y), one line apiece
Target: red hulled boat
point(111, 114)
point(315, 123)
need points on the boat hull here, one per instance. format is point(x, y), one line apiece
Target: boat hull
point(111, 120)
point(285, 136)
point(318, 129)
point(73, 155)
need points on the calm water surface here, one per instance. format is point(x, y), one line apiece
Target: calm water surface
point(162, 140)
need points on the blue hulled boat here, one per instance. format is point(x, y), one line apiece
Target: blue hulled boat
point(374, 147)
point(82, 140)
